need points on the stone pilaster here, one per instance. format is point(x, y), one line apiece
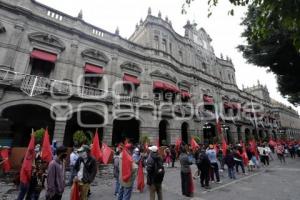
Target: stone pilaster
point(59, 131)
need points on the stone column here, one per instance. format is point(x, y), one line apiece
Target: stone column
point(107, 134)
point(59, 132)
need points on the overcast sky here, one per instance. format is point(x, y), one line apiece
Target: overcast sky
point(224, 30)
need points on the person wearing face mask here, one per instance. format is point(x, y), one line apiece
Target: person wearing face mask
point(86, 168)
point(55, 178)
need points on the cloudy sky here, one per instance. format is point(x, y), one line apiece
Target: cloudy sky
point(225, 30)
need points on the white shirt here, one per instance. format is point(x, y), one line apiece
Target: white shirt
point(73, 158)
point(80, 172)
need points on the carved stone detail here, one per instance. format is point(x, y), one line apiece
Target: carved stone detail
point(166, 75)
point(95, 55)
point(130, 66)
point(47, 39)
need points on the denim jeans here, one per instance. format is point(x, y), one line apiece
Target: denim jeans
point(237, 164)
point(125, 193)
point(231, 172)
point(117, 186)
point(23, 190)
point(215, 171)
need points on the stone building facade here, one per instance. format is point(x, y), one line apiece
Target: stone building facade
point(60, 72)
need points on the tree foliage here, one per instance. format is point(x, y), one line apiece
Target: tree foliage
point(272, 32)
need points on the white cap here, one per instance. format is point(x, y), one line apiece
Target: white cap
point(153, 148)
point(136, 150)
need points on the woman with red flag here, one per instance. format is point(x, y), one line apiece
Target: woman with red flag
point(140, 178)
point(26, 170)
point(127, 170)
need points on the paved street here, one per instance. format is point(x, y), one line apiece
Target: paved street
point(277, 182)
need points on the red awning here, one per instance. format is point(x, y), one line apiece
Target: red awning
point(132, 79)
point(185, 94)
point(165, 86)
point(93, 69)
point(43, 55)
point(208, 99)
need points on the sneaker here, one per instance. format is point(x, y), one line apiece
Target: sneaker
point(219, 182)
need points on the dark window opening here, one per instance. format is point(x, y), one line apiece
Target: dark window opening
point(41, 67)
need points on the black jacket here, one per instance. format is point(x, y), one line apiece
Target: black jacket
point(89, 169)
point(150, 166)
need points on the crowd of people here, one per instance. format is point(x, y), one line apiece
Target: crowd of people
point(130, 162)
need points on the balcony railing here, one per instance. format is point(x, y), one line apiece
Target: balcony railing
point(36, 85)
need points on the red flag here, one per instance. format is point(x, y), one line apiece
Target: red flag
point(75, 192)
point(96, 151)
point(191, 185)
point(140, 178)
point(177, 144)
point(253, 148)
point(25, 174)
point(6, 165)
point(126, 165)
point(224, 146)
point(272, 143)
point(244, 155)
point(46, 148)
point(107, 151)
point(194, 144)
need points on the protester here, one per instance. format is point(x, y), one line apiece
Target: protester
point(55, 178)
point(38, 176)
point(186, 174)
point(73, 158)
point(238, 159)
point(86, 169)
point(168, 156)
point(116, 171)
point(173, 155)
point(230, 162)
point(280, 153)
point(292, 150)
point(155, 173)
point(211, 153)
point(203, 164)
point(126, 180)
point(264, 158)
point(136, 156)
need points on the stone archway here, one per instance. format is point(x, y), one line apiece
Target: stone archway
point(126, 128)
point(163, 131)
point(184, 132)
point(86, 121)
point(209, 133)
point(23, 118)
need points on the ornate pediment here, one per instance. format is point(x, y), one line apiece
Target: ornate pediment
point(161, 75)
point(2, 28)
point(95, 55)
point(185, 84)
point(47, 39)
point(130, 66)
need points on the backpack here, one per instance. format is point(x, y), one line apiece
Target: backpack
point(159, 172)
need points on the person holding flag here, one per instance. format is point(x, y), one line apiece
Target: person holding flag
point(86, 168)
point(26, 170)
point(127, 172)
